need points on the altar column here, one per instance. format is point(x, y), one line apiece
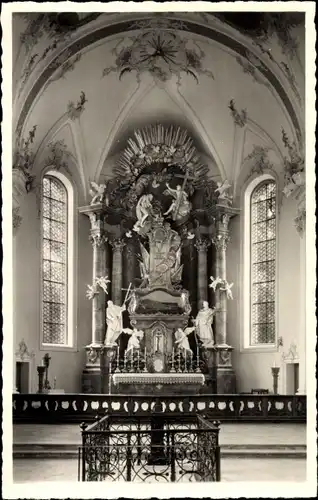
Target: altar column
point(225, 376)
point(220, 241)
point(98, 239)
point(117, 271)
point(130, 262)
point(202, 247)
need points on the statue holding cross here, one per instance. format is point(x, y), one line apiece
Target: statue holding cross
point(181, 206)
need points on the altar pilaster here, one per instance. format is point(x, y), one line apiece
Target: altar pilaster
point(202, 248)
point(117, 270)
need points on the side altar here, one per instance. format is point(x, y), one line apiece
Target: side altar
point(158, 316)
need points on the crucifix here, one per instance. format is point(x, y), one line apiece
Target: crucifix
point(185, 178)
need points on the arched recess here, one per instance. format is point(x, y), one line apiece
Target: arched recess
point(180, 102)
point(78, 162)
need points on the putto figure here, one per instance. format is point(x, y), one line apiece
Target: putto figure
point(180, 207)
point(222, 190)
point(98, 192)
point(182, 337)
point(135, 337)
point(203, 324)
point(143, 210)
point(114, 320)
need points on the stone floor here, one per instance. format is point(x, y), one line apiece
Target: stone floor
point(265, 469)
point(232, 469)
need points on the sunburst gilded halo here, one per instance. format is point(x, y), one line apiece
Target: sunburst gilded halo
point(159, 144)
point(160, 51)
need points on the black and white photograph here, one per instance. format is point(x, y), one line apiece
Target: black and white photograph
point(159, 249)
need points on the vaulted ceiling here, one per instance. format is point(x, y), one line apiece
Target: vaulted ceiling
point(90, 80)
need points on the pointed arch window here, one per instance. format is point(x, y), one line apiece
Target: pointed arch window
point(57, 250)
point(260, 241)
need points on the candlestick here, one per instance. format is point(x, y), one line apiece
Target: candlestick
point(138, 356)
point(172, 368)
point(132, 361)
point(117, 367)
point(275, 373)
point(179, 361)
point(125, 360)
point(110, 378)
point(145, 365)
point(191, 361)
point(185, 360)
point(198, 361)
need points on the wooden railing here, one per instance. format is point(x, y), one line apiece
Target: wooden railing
point(52, 408)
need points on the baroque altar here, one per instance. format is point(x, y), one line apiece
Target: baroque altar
point(159, 230)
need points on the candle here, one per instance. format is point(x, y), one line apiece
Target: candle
point(42, 362)
point(274, 366)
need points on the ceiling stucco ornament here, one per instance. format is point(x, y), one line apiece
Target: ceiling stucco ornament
point(240, 118)
point(294, 166)
point(300, 219)
point(63, 64)
point(16, 219)
point(252, 65)
point(74, 111)
point(57, 156)
point(53, 28)
point(159, 50)
point(258, 160)
point(23, 157)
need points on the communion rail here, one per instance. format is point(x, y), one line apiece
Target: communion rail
point(76, 408)
point(142, 451)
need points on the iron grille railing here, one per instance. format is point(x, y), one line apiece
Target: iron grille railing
point(147, 450)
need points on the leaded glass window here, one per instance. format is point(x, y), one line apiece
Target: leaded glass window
point(263, 263)
point(54, 261)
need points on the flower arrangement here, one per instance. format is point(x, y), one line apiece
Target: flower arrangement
point(100, 282)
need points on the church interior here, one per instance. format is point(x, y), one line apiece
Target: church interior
point(159, 237)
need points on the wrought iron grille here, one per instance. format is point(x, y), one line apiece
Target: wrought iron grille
point(54, 260)
point(263, 262)
point(153, 450)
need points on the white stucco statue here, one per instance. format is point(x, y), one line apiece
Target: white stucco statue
point(222, 189)
point(135, 336)
point(203, 323)
point(143, 210)
point(114, 320)
point(182, 337)
point(97, 191)
point(180, 207)
point(226, 287)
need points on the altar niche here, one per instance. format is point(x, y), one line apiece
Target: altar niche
point(161, 328)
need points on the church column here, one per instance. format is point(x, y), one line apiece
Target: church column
point(220, 242)
point(98, 239)
point(202, 248)
point(117, 271)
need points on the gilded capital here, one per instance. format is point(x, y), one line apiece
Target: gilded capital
point(97, 239)
point(118, 244)
point(202, 245)
point(220, 241)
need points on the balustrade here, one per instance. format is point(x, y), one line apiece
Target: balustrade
point(53, 408)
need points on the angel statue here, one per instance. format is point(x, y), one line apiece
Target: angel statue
point(180, 207)
point(222, 189)
point(98, 192)
point(182, 337)
point(143, 210)
point(135, 337)
point(215, 282)
point(227, 289)
point(114, 320)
